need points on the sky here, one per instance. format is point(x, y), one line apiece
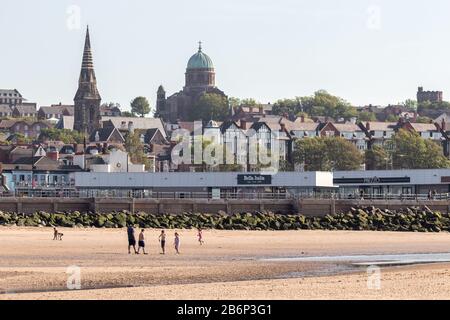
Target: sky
point(367, 52)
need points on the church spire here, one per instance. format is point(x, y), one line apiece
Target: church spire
point(88, 62)
point(199, 46)
point(87, 99)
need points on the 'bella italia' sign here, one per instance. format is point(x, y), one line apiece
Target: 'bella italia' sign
point(254, 179)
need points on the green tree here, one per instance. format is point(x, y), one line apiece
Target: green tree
point(366, 116)
point(377, 158)
point(410, 151)
point(320, 104)
point(410, 104)
point(135, 149)
point(19, 138)
point(210, 106)
point(425, 106)
point(327, 154)
point(111, 105)
point(64, 135)
point(392, 118)
point(424, 120)
point(140, 106)
point(288, 108)
point(127, 114)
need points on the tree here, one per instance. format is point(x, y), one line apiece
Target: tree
point(428, 107)
point(424, 120)
point(210, 106)
point(140, 106)
point(392, 118)
point(377, 158)
point(135, 149)
point(327, 154)
point(64, 135)
point(366, 116)
point(110, 105)
point(410, 104)
point(288, 108)
point(320, 104)
point(410, 151)
point(127, 114)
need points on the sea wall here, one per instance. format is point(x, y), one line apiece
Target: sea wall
point(307, 207)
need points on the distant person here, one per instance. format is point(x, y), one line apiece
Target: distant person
point(434, 194)
point(131, 239)
point(177, 242)
point(162, 241)
point(141, 242)
point(200, 236)
point(361, 194)
point(57, 235)
point(430, 194)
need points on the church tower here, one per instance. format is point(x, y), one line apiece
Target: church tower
point(87, 99)
point(161, 102)
point(200, 73)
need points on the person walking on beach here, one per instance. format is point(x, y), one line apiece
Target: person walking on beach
point(162, 241)
point(141, 242)
point(177, 242)
point(55, 233)
point(131, 239)
point(200, 236)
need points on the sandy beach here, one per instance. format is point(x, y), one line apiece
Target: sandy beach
point(230, 265)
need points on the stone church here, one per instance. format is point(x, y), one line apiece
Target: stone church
point(87, 99)
point(200, 79)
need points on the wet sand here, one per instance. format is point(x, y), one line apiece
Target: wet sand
point(229, 266)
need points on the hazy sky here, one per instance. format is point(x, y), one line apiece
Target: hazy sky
point(375, 52)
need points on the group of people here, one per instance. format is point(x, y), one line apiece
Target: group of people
point(162, 241)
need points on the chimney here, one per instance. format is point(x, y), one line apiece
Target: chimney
point(443, 125)
point(54, 155)
point(131, 126)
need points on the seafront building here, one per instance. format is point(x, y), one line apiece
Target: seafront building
point(111, 178)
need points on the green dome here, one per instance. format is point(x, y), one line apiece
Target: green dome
point(200, 60)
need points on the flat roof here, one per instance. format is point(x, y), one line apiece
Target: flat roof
point(202, 179)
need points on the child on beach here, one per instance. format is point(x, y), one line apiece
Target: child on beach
point(177, 242)
point(55, 233)
point(141, 242)
point(200, 236)
point(162, 240)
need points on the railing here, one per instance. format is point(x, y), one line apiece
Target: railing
point(401, 197)
point(140, 194)
point(121, 194)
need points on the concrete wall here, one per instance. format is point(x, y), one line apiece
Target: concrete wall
point(174, 206)
point(155, 206)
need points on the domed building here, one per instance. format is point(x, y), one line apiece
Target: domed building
point(200, 78)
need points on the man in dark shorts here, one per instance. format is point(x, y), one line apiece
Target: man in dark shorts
point(162, 240)
point(131, 239)
point(141, 242)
